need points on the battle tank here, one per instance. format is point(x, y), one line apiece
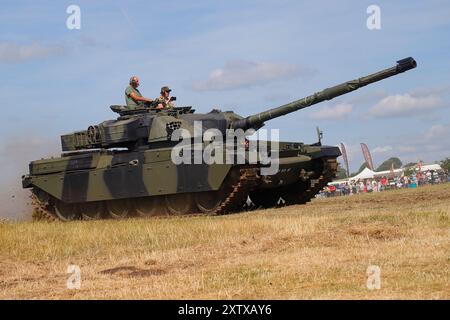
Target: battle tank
point(125, 166)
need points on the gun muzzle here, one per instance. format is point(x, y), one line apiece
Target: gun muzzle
point(406, 64)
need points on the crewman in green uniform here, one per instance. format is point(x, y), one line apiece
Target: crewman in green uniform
point(133, 97)
point(164, 101)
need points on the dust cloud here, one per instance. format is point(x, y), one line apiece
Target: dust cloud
point(15, 154)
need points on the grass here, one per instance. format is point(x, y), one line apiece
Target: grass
point(315, 251)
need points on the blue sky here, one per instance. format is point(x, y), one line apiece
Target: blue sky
point(242, 55)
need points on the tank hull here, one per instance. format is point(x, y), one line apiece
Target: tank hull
point(108, 182)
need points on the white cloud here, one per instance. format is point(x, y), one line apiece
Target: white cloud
point(15, 53)
point(241, 74)
point(407, 149)
point(383, 149)
point(438, 132)
point(430, 145)
point(405, 105)
point(329, 113)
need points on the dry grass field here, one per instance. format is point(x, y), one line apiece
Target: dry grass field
point(316, 251)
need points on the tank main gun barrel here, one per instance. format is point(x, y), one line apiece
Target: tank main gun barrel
point(257, 120)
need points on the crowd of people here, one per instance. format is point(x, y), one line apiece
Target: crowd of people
point(384, 183)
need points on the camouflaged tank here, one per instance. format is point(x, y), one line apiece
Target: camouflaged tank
point(124, 167)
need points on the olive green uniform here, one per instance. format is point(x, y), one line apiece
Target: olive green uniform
point(165, 102)
point(131, 103)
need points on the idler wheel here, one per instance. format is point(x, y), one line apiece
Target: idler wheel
point(179, 204)
point(208, 202)
point(118, 209)
point(149, 206)
point(67, 211)
point(91, 210)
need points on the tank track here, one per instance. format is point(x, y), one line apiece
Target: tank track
point(302, 191)
point(42, 210)
point(235, 201)
point(328, 173)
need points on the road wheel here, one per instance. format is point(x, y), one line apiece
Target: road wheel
point(149, 206)
point(67, 211)
point(118, 209)
point(92, 210)
point(179, 204)
point(208, 202)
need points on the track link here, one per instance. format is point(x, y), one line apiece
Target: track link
point(238, 196)
point(328, 173)
point(42, 210)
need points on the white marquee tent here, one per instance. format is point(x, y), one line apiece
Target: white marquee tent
point(435, 167)
point(397, 172)
point(365, 174)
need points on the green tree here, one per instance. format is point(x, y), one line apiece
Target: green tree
point(386, 165)
point(445, 164)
